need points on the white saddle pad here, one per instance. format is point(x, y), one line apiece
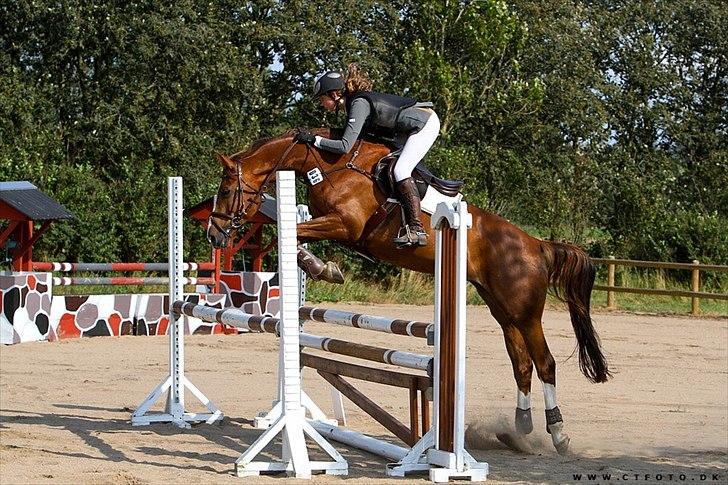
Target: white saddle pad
point(432, 197)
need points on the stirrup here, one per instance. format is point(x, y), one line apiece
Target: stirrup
point(408, 236)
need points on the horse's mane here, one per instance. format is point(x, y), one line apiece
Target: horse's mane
point(263, 141)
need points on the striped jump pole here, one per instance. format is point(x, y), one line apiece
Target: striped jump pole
point(126, 280)
point(117, 267)
point(228, 316)
point(234, 317)
point(176, 382)
point(257, 323)
point(368, 352)
point(358, 320)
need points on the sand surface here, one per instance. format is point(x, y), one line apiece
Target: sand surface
point(64, 407)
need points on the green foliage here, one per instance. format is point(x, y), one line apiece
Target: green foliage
point(604, 123)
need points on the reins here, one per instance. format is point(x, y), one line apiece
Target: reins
point(349, 165)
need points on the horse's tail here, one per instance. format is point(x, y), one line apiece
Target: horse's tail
point(571, 277)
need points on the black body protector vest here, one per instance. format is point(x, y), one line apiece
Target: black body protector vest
point(385, 110)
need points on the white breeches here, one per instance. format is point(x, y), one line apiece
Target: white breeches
point(416, 148)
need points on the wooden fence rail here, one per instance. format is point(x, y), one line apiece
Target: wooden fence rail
point(695, 267)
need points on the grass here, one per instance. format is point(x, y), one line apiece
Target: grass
point(661, 305)
point(417, 289)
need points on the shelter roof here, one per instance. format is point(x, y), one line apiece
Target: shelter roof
point(23, 200)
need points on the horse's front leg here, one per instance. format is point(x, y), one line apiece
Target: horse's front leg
point(327, 227)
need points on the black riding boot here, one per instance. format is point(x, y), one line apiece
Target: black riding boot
point(412, 234)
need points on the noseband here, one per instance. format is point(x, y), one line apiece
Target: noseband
point(237, 219)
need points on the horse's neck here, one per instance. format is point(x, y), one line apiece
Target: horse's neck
point(364, 156)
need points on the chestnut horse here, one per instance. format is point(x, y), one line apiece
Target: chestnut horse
point(511, 270)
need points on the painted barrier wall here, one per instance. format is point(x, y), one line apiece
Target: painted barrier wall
point(30, 312)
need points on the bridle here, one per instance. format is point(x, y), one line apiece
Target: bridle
point(237, 219)
point(242, 204)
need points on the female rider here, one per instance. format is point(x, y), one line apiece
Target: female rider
point(387, 117)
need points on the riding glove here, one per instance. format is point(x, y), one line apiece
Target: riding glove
point(305, 137)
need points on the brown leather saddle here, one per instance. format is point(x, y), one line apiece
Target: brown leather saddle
point(384, 176)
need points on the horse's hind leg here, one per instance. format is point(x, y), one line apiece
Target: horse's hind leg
point(532, 332)
point(522, 370)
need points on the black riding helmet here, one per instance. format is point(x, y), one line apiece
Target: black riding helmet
point(329, 81)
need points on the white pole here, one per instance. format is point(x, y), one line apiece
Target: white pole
point(176, 397)
point(466, 221)
point(291, 423)
point(176, 382)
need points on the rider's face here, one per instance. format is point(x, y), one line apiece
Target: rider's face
point(330, 100)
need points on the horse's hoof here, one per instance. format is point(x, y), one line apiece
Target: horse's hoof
point(558, 437)
point(332, 274)
point(524, 423)
point(562, 447)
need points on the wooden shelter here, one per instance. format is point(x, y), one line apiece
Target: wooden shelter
point(22, 205)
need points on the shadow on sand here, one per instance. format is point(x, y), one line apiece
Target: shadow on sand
point(233, 436)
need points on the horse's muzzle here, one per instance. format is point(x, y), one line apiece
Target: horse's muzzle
point(217, 236)
point(217, 240)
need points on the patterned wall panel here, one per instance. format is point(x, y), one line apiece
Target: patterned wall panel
point(25, 307)
point(114, 315)
point(254, 293)
point(28, 312)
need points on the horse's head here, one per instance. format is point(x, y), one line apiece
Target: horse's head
point(245, 178)
point(238, 198)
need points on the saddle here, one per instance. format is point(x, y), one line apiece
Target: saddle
point(384, 176)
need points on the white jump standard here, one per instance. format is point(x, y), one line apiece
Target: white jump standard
point(443, 446)
point(292, 423)
point(176, 382)
point(441, 451)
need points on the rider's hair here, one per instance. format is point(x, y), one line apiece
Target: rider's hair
point(357, 80)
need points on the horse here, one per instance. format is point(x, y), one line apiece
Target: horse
point(511, 270)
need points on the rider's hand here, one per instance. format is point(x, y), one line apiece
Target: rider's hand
point(305, 137)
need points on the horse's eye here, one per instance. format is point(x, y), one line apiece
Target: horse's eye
point(225, 192)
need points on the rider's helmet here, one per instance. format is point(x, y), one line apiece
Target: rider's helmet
point(329, 81)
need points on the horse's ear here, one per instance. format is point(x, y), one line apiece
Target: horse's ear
point(226, 162)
